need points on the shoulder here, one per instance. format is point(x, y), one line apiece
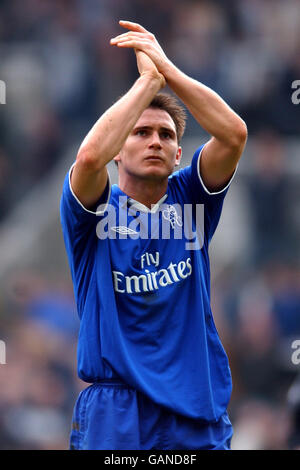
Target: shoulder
point(186, 181)
point(190, 181)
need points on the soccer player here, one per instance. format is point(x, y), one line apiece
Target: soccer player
point(148, 346)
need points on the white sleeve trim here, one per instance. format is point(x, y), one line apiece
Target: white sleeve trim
point(201, 181)
point(98, 212)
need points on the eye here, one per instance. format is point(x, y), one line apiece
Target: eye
point(141, 132)
point(166, 135)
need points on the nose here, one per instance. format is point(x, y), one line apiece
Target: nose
point(155, 141)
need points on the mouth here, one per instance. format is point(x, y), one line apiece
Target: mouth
point(154, 158)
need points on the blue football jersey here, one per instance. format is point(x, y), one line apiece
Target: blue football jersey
point(142, 287)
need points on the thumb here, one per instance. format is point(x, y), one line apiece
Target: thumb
point(146, 65)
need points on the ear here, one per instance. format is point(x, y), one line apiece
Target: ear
point(178, 156)
point(117, 158)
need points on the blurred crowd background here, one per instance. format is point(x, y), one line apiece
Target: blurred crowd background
point(61, 74)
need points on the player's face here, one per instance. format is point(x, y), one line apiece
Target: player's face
point(151, 150)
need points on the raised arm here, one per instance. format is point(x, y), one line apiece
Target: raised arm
point(107, 136)
point(228, 131)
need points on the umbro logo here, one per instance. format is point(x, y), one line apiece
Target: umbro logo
point(124, 230)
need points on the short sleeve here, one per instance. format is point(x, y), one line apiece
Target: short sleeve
point(191, 185)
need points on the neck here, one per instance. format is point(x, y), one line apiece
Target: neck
point(147, 192)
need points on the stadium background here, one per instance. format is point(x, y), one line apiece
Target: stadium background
point(61, 74)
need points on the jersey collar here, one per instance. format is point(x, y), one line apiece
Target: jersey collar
point(142, 208)
point(138, 206)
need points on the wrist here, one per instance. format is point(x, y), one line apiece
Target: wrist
point(167, 69)
point(154, 78)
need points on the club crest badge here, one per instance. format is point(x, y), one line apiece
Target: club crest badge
point(171, 215)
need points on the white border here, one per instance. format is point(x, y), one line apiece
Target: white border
point(201, 181)
point(76, 198)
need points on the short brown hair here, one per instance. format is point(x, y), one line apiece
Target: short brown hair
point(171, 105)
